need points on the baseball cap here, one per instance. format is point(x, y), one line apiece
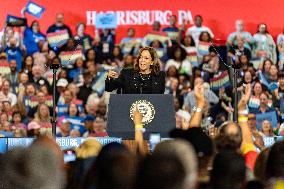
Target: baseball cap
point(65, 121)
point(89, 118)
point(62, 82)
point(184, 114)
point(33, 125)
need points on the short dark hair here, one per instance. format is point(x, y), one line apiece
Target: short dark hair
point(259, 169)
point(78, 111)
point(266, 30)
point(192, 41)
point(281, 75)
point(229, 141)
point(176, 48)
point(205, 32)
point(265, 60)
point(198, 15)
point(114, 168)
point(275, 161)
point(160, 171)
point(16, 113)
point(24, 61)
point(229, 170)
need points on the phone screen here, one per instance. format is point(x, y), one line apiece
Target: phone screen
point(154, 139)
point(69, 155)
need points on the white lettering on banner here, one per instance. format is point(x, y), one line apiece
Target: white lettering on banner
point(159, 16)
point(142, 17)
point(148, 17)
point(110, 12)
point(127, 18)
point(91, 17)
point(64, 143)
point(184, 15)
point(15, 142)
point(133, 17)
point(82, 140)
point(120, 18)
point(67, 142)
point(167, 15)
point(73, 142)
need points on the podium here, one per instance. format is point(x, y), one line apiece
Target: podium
point(157, 110)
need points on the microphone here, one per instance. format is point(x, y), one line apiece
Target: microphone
point(236, 65)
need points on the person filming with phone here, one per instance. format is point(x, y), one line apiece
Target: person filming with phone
point(144, 78)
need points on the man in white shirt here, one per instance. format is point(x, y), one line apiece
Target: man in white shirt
point(195, 30)
point(240, 34)
point(210, 96)
point(6, 94)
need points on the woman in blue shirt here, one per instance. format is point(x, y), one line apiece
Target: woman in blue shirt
point(76, 73)
point(32, 36)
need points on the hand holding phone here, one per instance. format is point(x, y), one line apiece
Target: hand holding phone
point(69, 155)
point(154, 139)
point(112, 74)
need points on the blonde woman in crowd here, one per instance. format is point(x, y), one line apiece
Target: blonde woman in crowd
point(266, 129)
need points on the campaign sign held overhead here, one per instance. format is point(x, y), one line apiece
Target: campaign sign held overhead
point(34, 9)
point(106, 21)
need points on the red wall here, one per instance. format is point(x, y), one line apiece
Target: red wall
point(219, 15)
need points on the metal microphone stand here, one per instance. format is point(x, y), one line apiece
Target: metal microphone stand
point(235, 89)
point(54, 68)
point(235, 68)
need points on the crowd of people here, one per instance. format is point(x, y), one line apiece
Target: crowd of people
point(188, 55)
point(209, 151)
point(226, 158)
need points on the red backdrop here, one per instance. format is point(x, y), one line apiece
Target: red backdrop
point(218, 15)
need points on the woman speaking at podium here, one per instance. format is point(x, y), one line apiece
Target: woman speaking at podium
point(144, 78)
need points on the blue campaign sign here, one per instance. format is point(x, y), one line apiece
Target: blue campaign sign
point(106, 21)
point(270, 116)
point(64, 142)
point(34, 9)
point(3, 145)
point(15, 21)
point(273, 86)
point(6, 134)
point(62, 110)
